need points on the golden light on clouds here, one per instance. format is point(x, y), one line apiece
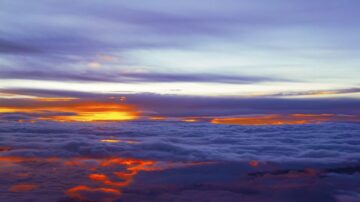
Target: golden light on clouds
point(119, 141)
point(293, 119)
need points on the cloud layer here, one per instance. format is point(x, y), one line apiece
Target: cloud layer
point(181, 141)
point(52, 161)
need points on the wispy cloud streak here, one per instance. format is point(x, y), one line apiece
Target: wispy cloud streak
point(124, 77)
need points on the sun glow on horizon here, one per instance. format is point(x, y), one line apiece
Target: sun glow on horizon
point(95, 116)
point(70, 110)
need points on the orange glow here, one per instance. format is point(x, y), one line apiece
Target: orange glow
point(121, 161)
point(2, 149)
point(26, 121)
point(110, 141)
point(11, 159)
point(254, 163)
point(190, 120)
point(132, 168)
point(109, 184)
point(79, 111)
point(106, 181)
point(157, 118)
point(117, 141)
point(293, 119)
point(96, 116)
point(55, 99)
point(23, 187)
point(98, 177)
point(80, 192)
point(313, 115)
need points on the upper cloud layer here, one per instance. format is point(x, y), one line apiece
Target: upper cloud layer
point(124, 77)
point(234, 37)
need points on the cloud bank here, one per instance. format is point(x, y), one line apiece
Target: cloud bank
point(147, 105)
point(177, 141)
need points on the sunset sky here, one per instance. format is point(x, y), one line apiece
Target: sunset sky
point(187, 100)
point(179, 59)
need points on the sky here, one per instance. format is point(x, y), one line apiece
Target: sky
point(191, 59)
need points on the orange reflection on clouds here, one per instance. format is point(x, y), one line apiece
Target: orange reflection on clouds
point(117, 141)
point(2, 149)
point(106, 181)
point(190, 120)
point(254, 163)
point(128, 169)
point(83, 192)
point(23, 187)
point(157, 118)
point(293, 119)
point(109, 174)
point(10, 160)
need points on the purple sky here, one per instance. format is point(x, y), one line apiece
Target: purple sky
point(206, 57)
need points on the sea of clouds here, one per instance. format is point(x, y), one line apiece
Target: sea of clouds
point(174, 141)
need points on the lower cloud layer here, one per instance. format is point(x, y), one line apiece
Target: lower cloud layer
point(172, 161)
point(171, 141)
